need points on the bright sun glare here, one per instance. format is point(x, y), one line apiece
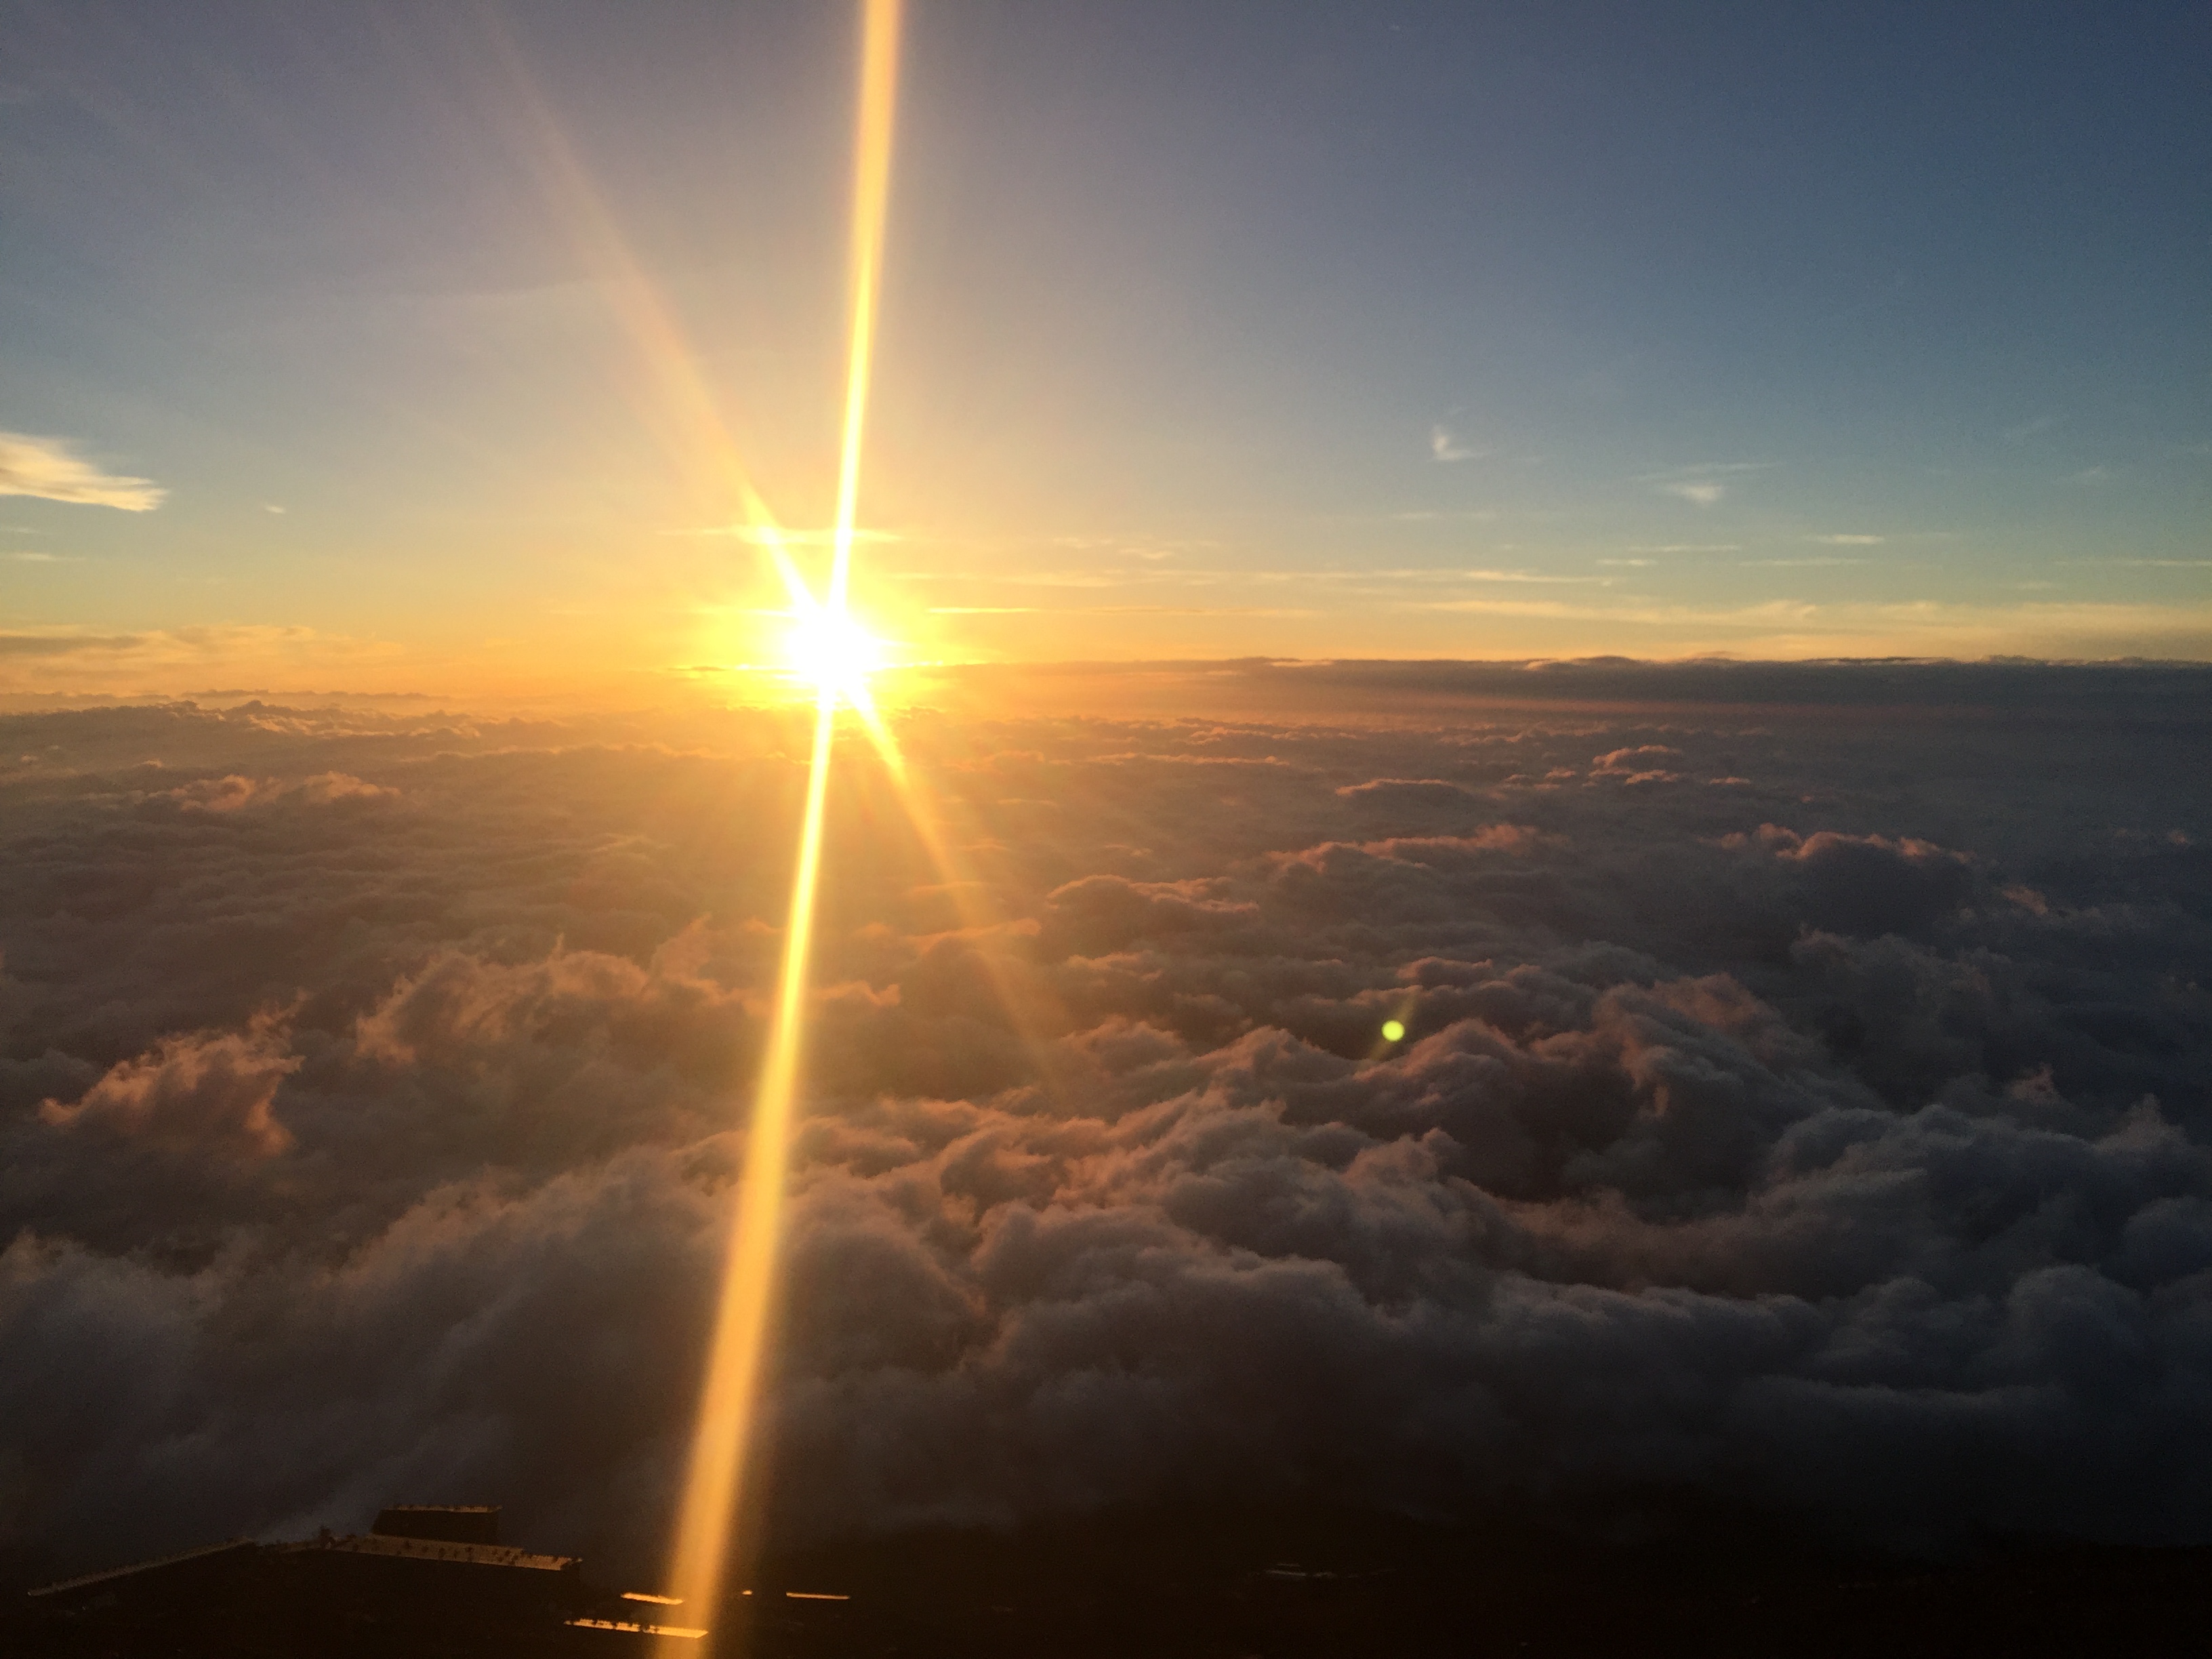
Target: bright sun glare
point(831, 652)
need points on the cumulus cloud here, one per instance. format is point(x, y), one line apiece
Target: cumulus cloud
point(51, 470)
point(1835, 1140)
point(235, 793)
point(212, 1092)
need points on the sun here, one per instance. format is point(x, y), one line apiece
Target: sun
point(829, 651)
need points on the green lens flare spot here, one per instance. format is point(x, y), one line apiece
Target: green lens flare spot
point(1394, 1031)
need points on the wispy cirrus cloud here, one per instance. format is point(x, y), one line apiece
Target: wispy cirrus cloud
point(754, 535)
point(60, 659)
point(1701, 485)
point(1519, 576)
point(1849, 540)
point(1445, 445)
point(65, 644)
point(50, 469)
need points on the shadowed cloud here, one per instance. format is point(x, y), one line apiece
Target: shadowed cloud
point(372, 1080)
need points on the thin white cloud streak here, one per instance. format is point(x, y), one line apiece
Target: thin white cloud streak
point(1122, 576)
point(753, 536)
point(1183, 611)
point(1446, 445)
point(1416, 575)
point(1523, 576)
point(1849, 540)
point(33, 659)
point(1704, 492)
point(50, 470)
point(1705, 470)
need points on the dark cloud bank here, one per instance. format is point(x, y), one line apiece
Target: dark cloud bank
point(1804, 1103)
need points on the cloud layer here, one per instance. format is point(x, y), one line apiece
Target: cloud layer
point(1807, 1112)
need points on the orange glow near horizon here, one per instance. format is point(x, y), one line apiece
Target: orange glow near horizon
point(828, 647)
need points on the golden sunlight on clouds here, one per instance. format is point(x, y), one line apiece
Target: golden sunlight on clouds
point(1351, 803)
point(50, 469)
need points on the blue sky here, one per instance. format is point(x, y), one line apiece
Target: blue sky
point(1210, 329)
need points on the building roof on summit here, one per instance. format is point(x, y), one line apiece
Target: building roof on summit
point(435, 1549)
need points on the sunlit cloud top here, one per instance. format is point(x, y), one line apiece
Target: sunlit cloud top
point(50, 469)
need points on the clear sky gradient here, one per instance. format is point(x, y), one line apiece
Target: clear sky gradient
point(347, 346)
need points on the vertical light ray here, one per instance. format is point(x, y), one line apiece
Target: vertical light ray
point(723, 1440)
point(871, 184)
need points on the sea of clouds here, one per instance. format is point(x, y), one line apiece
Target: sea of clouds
point(1806, 1101)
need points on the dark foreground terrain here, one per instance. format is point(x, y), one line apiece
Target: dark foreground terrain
point(1199, 1583)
